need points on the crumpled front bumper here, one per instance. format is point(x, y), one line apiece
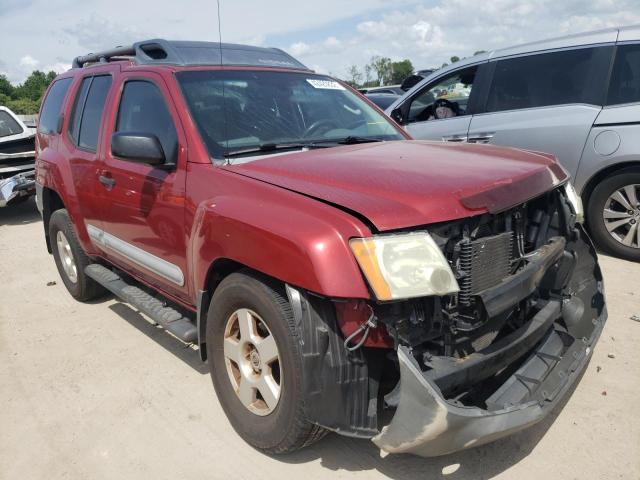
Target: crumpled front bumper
point(427, 424)
point(13, 188)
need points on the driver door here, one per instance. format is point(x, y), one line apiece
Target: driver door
point(143, 211)
point(443, 109)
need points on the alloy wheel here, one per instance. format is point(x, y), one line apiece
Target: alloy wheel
point(252, 361)
point(622, 215)
point(66, 257)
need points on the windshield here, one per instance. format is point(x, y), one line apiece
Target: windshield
point(238, 111)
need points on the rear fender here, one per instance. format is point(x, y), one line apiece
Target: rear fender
point(53, 181)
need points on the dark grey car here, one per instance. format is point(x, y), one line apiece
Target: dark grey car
point(577, 97)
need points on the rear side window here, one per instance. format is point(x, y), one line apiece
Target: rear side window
point(625, 78)
point(556, 78)
point(84, 127)
point(8, 125)
point(78, 105)
point(143, 109)
point(52, 106)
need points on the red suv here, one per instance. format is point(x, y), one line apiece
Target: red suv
point(328, 267)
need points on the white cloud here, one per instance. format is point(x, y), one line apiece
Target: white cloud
point(58, 67)
point(29, 62)
point(299, 48)
point(428, 32)
point(430, 35)
point(67, 28)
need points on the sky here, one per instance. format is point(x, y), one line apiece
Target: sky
point(326, 35)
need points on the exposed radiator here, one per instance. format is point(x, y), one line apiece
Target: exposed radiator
point(485, 263)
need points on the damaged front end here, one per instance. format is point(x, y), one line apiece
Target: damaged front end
point(17, 170)
point(495, 357)
point(468, 367)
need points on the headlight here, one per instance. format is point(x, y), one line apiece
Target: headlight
point(404, 266)
point(575, 201)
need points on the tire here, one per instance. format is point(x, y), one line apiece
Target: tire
point(281, 427)
point(600, 200)
point(80, 286)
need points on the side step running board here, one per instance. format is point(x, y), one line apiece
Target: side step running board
point(167, 317)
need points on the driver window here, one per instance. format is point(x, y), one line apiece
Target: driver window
point(447, 98)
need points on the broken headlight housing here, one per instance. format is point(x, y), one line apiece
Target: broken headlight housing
point(404, 265)
point(575, 201)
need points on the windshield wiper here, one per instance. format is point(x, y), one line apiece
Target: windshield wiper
point(271, 147)
point(350, 140)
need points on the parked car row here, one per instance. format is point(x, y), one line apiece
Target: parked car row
point(577, 97)
point(335, 274)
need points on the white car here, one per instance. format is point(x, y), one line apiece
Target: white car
point(17, 159)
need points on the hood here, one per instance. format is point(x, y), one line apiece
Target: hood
point(402, 184)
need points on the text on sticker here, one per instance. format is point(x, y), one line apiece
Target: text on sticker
point(327, 84)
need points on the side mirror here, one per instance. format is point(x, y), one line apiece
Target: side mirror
point(138, 147)
point(396, 114)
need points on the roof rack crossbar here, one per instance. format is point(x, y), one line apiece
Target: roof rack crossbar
point(106, 55)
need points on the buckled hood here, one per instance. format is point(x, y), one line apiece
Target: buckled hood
point(402, 184)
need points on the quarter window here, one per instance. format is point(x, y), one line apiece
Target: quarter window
point(143, 109)
point(557, 78)
point(8, 125)
point(448, 98)
point(76, 115)
point(625, 78)
point(52, 106)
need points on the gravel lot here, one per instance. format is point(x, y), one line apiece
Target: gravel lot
point(96, 391)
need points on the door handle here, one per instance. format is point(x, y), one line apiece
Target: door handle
point(455, 138)
point(107, 181)
point(480, 138)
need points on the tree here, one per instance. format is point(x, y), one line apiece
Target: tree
point(34, 86)
point(25, 98)
point(478, 52)
point(400, 71)
point(5, 86)
point(382, 68)
point(454, 59)
point(354, 76)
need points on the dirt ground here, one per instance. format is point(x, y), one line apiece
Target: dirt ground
point(95, 391)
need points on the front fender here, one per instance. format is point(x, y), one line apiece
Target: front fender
point(292, 238)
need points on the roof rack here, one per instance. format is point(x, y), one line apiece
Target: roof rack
point(164, 52)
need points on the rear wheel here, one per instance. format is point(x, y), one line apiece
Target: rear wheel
point(614, 214)
point(256, 364)
point(71, 259)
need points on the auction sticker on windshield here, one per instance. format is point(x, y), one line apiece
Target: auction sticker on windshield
point(326, 84)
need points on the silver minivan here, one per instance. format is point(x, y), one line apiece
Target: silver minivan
point(577, 97)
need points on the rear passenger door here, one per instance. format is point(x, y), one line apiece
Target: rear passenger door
point(546, 102)
point(143, 210)
point(82, 142)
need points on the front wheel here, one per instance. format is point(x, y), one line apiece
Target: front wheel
point(613, 214)
point(256, 364)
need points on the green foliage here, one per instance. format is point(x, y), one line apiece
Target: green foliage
point(25, 99)
point(5, 86)
point(383, 71)
point(354, 76)
point(400, 71)
point(381, 66)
